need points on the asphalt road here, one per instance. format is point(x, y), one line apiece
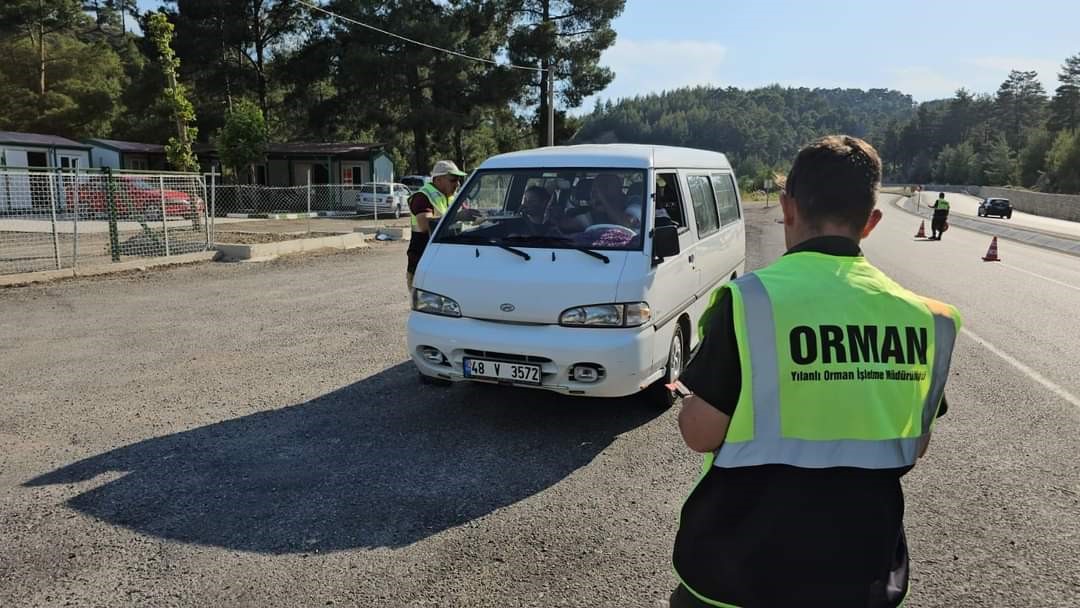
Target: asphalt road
point(963, 204)
point(994, 511)
point(252, 435)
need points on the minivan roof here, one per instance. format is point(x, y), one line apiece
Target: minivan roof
point(636, 156)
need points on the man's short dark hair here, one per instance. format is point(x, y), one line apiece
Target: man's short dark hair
point(535, 200)
point(835, 178)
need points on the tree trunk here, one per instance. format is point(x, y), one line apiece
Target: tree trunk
point(181, 126)
point(41, 51)
point(225, 59)
point(459, 147)
point(419, 129)
point(260, 55)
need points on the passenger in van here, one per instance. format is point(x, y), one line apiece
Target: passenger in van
point(664, 198)
point(611, 205)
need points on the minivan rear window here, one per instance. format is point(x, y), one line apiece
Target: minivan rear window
point(548, 207)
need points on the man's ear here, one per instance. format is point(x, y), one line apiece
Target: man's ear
point(790, 208)
point(871, 222)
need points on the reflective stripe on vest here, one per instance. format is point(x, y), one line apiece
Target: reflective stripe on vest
point(438, 200)
point(891, 429)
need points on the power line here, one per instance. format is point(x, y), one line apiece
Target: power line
point(419, 43)
point(550, 93)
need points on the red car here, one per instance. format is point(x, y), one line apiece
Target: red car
point(136, 198)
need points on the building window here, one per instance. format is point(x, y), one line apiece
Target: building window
point(137, 164)
point(37, 159)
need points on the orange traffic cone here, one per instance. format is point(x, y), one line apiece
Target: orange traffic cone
point(921, 234)
point(991, 254)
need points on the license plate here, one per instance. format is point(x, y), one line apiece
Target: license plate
point(518, 373)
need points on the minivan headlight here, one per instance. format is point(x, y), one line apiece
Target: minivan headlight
point(433, 303)
point(607, 315)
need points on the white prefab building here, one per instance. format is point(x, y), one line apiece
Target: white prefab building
point(133, 155)
point(39, 150)
point(289, 164)
point(22, 151)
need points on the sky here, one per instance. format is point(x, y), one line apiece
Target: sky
point(926, 48)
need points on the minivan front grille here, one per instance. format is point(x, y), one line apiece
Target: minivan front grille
point(487, 354)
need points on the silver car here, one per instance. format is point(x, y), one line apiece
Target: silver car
point(376, 199)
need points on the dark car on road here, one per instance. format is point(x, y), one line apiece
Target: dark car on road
point(1000, 207)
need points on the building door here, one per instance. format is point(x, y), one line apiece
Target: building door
point(320, 174)
point(39, 182)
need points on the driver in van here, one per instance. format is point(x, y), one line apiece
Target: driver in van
point(539, 210)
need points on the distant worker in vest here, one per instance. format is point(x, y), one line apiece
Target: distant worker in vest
point(427, 206)
point(815, 390)
point(939, 224)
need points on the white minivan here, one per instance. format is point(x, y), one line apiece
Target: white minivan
point(582, 270)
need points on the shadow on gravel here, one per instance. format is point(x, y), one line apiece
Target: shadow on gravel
point(381, 463)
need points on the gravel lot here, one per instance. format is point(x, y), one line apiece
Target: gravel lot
point(253, 435)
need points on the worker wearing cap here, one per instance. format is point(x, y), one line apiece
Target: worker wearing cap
point(815, 389)
point(427, 206)
point(938, 224)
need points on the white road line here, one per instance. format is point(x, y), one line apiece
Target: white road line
point(1035, 274)
point(1034, 375)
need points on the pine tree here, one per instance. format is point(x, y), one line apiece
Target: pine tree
point(1065, 106)
point(565, 38)
point(1020, 105)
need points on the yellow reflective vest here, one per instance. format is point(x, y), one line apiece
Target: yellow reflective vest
point(439, 201)
point(841, 366)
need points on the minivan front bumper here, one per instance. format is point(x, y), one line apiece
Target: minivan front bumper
point(625, 355)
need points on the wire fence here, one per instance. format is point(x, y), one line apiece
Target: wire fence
point(53, 219)
point(365, 200)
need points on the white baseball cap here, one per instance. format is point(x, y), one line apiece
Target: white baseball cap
point(446, 167)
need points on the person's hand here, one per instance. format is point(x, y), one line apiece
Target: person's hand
point(469, 214)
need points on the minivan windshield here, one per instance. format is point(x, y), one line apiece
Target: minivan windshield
point(561, 208)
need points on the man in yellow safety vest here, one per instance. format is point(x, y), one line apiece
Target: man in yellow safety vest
point(815, 389)
point(940, 222)
point(428, 205)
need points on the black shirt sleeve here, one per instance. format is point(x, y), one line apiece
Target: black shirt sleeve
point(715, 374)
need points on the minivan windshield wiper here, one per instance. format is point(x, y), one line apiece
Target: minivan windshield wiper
point(476, 239)
point(512, 250)
point(560, 240)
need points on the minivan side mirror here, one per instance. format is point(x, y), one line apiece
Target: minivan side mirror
point(665, 242)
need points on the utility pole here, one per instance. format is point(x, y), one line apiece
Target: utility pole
point(548, 72)
point(550, 106)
